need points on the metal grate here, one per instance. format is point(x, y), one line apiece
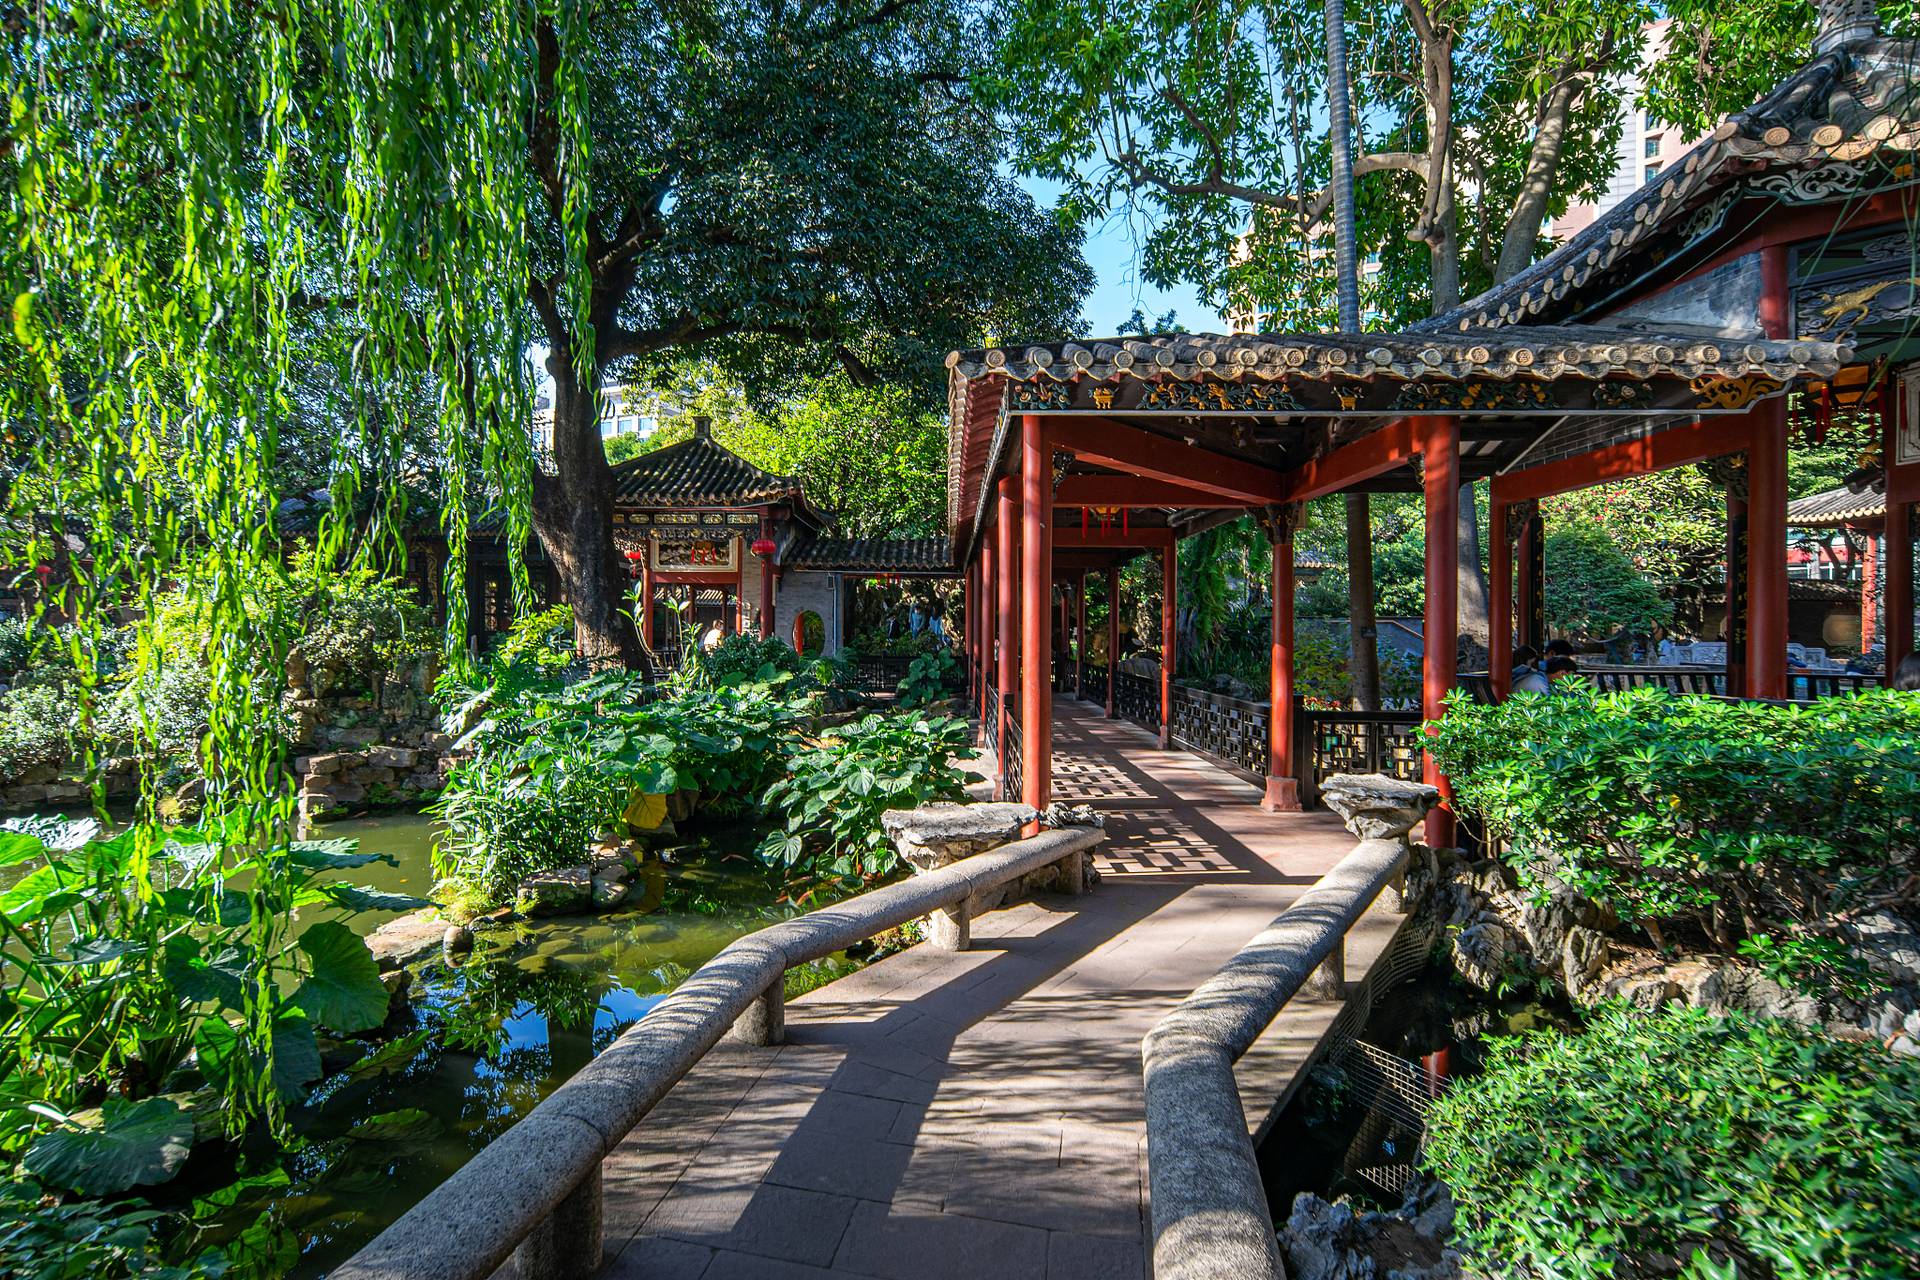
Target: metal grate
point(1137, 699)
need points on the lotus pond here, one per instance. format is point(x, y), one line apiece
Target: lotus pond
point(486, 1039)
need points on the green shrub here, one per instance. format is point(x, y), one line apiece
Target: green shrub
point(1739, 818)
point(37, 725)
point(834, 793)
point(1593, 588)
point(44, 1239)
point(1683, 1144)
point(745, 657)
point(553, 765)
point(541, 641)
point(348, 618)
point(930, 677)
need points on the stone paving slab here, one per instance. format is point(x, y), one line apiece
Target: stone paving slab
point(939, 1116)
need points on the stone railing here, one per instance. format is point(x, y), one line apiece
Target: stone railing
point(1210, 1216)
point(533, 1194)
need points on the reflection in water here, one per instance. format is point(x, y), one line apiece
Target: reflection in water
point(491, 1036)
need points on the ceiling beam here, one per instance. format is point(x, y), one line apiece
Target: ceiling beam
point(1353, 464)
point(1119, 447)
point(1134, 491)
point(1662, 451)
point(1112, 540)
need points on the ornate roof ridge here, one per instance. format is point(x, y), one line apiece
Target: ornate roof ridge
point(1840, 108)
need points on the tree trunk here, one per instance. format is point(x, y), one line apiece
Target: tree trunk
point(1363, 664)
point(573, 518)
point(1543, 167)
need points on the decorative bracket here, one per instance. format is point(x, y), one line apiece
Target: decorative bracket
point(1281, 521)
point(1729, 472)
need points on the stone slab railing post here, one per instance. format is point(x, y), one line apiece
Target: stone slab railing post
point(1210, 1216)
point(765, 1020)
point(568, 1244)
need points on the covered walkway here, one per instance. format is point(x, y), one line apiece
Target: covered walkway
point(944, 1115)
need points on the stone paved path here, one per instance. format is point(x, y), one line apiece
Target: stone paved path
point(954, 1117)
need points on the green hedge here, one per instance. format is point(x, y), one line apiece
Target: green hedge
point(1681, 1144)
point(1749, 820)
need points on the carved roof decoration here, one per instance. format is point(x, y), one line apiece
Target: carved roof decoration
point(1539, 352)
point(1816, 137)
point(698, 473)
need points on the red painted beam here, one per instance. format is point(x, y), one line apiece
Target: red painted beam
point(1678, 447)
point(1095, 540)
point(1141, 453)
point(1134, 491)
point(1351, 464)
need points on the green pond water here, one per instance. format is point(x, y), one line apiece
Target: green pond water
point(487, 1039)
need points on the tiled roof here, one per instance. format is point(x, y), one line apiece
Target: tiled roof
point(697, 473)
point(871, 555)
point(1838, 506)
point(1805, 141)
point(1540, 352)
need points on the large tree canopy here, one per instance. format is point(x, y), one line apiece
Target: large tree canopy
point(782, 189)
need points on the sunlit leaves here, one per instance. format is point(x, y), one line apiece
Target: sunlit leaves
point(342, 990)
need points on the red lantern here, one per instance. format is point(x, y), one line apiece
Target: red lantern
point(636, 555)
point(763, 547)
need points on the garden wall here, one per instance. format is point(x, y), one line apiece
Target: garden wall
point(365, 747)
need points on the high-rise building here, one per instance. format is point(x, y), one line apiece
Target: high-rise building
point(1647, 145)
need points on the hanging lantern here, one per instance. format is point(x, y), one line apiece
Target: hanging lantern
point(763, 546)
point(636, 554)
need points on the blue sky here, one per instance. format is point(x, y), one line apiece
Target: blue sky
point(1112, 251)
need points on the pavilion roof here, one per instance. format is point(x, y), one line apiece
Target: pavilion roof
point(698, 473)
point(1805, 142)
point(916, 556)
point(1841, 506)
point(1539, 353)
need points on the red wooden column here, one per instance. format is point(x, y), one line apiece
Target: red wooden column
point(1869, 588)
point(1440, 448)
point(989, 607)
point(1169, 590)
point(1898, 624)
point(1500, 607)
point(1009, 671)
point(1080, 635)
point(1767, 553)
point(1113, 632)
point(646, 593)
point(1897, 620)
point(1036, 587)
point(766, 582)
point(1283, 782)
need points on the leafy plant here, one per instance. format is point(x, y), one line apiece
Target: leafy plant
point(1679, 1143)
point(45, 1238)
point(553, 765)
point(1741, 819)
point(1592, 588)
point(930, 678)
point(748, 657)
point(835, 792)
point(125, 956)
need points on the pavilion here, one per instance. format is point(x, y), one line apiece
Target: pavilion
point(1778, 255)
point(710, 538)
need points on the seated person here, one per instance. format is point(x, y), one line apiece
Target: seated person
point(1527, 676)
point(1561, 673)
point(1907, 674)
